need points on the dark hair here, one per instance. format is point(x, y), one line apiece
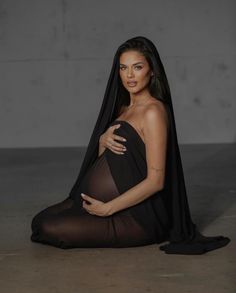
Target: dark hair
point(158, 85)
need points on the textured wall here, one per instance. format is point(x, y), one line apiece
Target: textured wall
point(56, 57)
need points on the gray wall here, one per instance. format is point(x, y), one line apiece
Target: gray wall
point(56, 57)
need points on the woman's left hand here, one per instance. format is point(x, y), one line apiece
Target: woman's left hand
point(95, 207)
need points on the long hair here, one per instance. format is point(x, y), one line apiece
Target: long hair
point(158, 85)
point(116, 95)
point(183, 234)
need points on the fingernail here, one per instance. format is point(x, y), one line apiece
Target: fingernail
point(124, 139)
point(82, 194)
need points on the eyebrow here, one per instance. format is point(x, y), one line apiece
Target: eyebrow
point(134, 63)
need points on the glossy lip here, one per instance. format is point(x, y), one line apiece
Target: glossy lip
point(132, 83)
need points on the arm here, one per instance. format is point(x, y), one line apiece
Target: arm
point(155, 133)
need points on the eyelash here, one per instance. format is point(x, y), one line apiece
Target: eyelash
point(135, 66)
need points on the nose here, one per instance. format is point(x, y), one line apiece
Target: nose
point(130, 73)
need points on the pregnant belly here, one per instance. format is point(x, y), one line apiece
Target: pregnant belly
point(98, 182)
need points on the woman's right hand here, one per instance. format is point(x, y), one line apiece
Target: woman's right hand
point(107, 140)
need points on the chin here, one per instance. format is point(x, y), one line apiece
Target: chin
point(133, 90)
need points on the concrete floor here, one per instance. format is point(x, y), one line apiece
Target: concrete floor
point(32, 179)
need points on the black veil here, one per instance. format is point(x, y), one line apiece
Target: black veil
point(184, 237)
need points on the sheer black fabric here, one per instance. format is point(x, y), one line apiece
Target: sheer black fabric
point(68, 225)
point(164, 216)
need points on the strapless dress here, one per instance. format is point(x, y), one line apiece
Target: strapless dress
point(67, 224)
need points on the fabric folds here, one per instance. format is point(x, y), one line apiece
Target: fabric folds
point(170, 206)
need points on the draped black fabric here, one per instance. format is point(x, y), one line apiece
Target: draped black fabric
point(181, 232)
point(67, 224)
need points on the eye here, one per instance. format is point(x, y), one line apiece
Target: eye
point(139, 67)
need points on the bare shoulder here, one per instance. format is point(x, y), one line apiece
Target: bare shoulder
point(155, 112)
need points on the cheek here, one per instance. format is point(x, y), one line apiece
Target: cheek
point(143, 78)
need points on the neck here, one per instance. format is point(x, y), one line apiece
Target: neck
point(139, 99)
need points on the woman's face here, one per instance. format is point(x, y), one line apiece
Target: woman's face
point(135, 71)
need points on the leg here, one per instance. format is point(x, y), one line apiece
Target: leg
point(74, 227)
point(128, 232)
point(48, 212)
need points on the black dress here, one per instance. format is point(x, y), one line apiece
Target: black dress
point(67, 224)
point(165, 215)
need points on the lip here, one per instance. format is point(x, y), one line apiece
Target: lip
point(132, 83)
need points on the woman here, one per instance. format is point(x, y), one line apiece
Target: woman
point(129, 192)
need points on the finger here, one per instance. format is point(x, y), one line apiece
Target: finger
point(86, 207)
point(90, 212)
point(116, 126)
point(85, 204)
point(116, 143)
point(87, 198)
point(84, 196)
point(117, 152)
point(90, 201)
point(118, 137)
point(118, 149)
point(116, 146)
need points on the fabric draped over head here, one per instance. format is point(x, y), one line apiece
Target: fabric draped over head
point(184, 236)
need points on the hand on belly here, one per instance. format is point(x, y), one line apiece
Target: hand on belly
point(94, 206)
